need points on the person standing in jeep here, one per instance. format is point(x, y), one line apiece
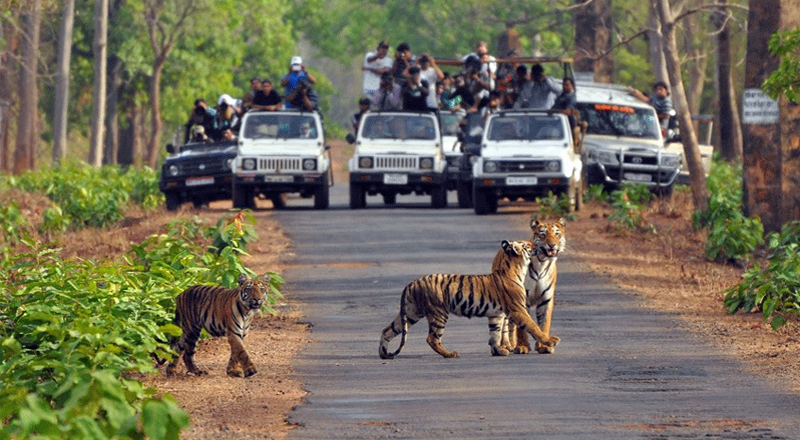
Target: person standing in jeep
point(415, 91)
point(659, 99)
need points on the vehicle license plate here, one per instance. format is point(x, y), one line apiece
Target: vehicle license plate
point(395, 179)
point(637, 177)
point(521, 180)
point(279, 179)
point(197, 181)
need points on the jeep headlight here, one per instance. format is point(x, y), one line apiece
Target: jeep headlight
point(554, 166)
point(604, 157)
point(309, 164)
point(426, 163)
point(173, 170)
point(490, 167)
point(365, 162)
point(671, 160)
point(249, 164)
point(228, 164)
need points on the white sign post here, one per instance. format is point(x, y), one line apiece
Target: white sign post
point(758, 108)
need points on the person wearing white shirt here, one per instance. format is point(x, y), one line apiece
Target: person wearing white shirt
point(430, 72)
point(375, 64)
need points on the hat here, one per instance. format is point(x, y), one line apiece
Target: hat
point(227, 99)
point(413, 70)
point(297, 60)
point(198, 129)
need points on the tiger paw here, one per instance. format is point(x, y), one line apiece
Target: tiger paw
point(235, 372)
point(500, 351)
point(250, 371)
point(451, 354)
point(199, 372)
point(522, 349)
point(543, 349)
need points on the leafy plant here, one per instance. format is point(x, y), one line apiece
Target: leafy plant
point(629, 203)
point(731, 235)
point(775, 289)
point(555, 206)
point(12, 223)
point(596, 193)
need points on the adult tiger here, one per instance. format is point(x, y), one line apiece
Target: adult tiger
point(540, 284)
point(495, 296)
point(220, 311)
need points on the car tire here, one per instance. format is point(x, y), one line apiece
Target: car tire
point(279, 200)
point(322, 194)
point(173, 200)
point(439, 197)
point(358, 196)
point(480, 201)
point(464, 194)
point(389, 199)
point(243, 198)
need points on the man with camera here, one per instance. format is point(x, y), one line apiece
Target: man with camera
point(297, 71)
point(203, 116)
point(387, 97)
point(303, 97)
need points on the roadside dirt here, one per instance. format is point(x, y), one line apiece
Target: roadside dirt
point(666, 271)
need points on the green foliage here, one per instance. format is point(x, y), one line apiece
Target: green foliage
point(596, 193)
point(12, 223)
point(629, 203)
point(73, 331)
point(774, 289)
point(554, 206)
point(785, 80)
point(731, 235)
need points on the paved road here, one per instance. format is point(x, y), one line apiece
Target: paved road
point(620, 371)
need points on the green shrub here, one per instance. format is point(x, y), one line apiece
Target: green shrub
point(731, 236)
point(775, 289)
point(629, 203)
point(554, 206)
point(596, 193)
point(12, 223)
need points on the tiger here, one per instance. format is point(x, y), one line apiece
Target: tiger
point(220, 311)
point(548, 241)
point(496, 295)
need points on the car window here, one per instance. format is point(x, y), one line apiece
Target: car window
point(620, 120)
point(399, 127)
point(280, 126)
point(450, 123)
point(526, 127)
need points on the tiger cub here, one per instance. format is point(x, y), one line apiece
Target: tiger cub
point(495, 296)
point(540, 285)
point(220, 311)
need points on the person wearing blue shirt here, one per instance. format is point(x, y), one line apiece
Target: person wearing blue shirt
point(289, 81)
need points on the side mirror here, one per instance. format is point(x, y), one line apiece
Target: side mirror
point(350, 138)
point(473, 149)
point(171, 149)
point(327, 147)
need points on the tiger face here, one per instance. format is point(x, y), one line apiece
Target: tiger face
point(253, 293)
point(548, 238)
point(518, 250)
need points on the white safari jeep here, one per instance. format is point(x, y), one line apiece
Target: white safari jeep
point(278, 153)
point(397, 153)
point(525, 154)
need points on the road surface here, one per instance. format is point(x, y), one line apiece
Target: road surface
point(620, 371)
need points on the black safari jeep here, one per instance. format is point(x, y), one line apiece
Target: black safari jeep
point(197, 172)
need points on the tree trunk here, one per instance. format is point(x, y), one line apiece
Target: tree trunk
point(593, 26)
point(60, 114)
point(730, 130)
point(697, 177)
point(10, 36)
point(155, 114)
point(28, 94)
point(99, 88)
point(115, 67)
point(655, 44)
point(771, 175)
point(697, 66)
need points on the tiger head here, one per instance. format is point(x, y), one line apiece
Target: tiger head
point(548, 238)
point(517, 253)
point(253, 293)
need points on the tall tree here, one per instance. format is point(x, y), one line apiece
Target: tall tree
point(593, 27)
point(10, 36)
point(60, 115)
point(697, 177)
point(24, 155)
point(100, 48)
point(730, 130)
point(655, 43)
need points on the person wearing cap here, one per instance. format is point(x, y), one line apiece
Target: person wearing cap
point(290, 80)
point(431, 73)
point(375, 64)
point(303, 97)
point(387, 97)
point(488, 63)
point(415, 91)
point(229, 113)
point(204, 116)
point(403, 59)
point(539, 93)
point(199, 134)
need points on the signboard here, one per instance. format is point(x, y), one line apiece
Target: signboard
point(584, 76)
point(758, 108)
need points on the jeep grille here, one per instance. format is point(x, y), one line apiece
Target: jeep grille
point(203, 166)
point(396, 162)
point(521, 166)
point(280, 164)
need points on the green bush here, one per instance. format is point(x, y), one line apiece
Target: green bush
point(72, 333)
point(775, 289)
point(554, 206)
point(596, 193)
point(629, 203)
point(732, 237)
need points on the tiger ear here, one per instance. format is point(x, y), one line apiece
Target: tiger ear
point(534, 223)
point(505, 244)
point(266, 278)
point(562, 222)
point(242, 278)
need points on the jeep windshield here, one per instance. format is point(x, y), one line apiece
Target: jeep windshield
point(525, 128)
point(620, 120)
point(450, 123)
point(280, 126)
point(399, 127)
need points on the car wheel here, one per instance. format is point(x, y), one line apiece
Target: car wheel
point(389, 199)
point(279, 200)
point(322, 194)
point(240, 197)
point(464, 193)
point(173, 200)
point(358, 196)
point(480, 201)
point(439, 197)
